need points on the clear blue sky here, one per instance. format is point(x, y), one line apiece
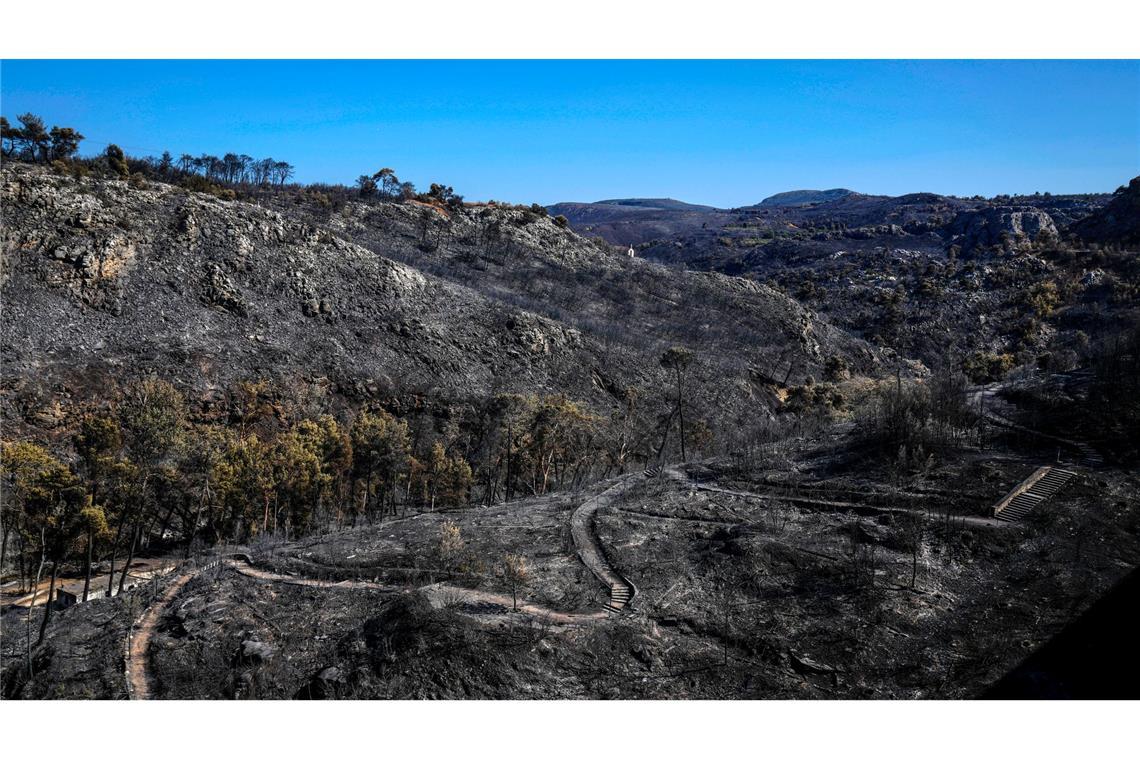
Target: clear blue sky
point(725, 133)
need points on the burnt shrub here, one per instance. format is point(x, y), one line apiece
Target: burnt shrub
point(909, 422)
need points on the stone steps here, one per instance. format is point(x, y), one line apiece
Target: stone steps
point(1031, 492)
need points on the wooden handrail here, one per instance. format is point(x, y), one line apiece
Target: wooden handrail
point(1021, 488)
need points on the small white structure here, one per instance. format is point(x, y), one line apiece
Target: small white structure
point(631, 251)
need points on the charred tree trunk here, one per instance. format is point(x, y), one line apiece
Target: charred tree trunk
point(87, 563)
point(165, 523)
point(507, 485)
point(197, 516)
point(681, 414)
point(130, 556)
point(23, 567)
point(50, 604)
point(4, 545)
point(114, 548)
point(32, 606)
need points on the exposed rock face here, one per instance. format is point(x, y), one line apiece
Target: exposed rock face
point(874, 231)
point(1000, 226)
point(627, 304)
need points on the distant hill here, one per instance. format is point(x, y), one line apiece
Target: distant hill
point(633, 221)
point(667, 204)
point(805, 197)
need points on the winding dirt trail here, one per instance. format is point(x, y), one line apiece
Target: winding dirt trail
point(139, 636)
point(980, 522)
point(140, 683)
point(437, 593)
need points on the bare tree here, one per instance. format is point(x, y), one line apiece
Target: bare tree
point(282, 172)
point(516, 573)
point(35, 593)
point(678, 360)
point(914, 535)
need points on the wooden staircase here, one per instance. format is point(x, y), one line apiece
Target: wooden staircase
point(1089, 456)
point(1042, 484)
point(620, 594)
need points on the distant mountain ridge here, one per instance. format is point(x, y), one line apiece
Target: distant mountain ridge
point(633, 221)
point(805, 197)
point(645, 221)
point(663, 204)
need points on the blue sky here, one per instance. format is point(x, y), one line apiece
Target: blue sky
point(725, 133)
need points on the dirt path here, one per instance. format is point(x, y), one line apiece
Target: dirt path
point(139, 636)
point(139, 682)
point(980, 522)
point(438, 594)
point(589, 547)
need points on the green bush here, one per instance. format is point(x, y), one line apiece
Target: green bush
point(117, 161)
point(983, 366)
point(821, 399)
point(837, 369)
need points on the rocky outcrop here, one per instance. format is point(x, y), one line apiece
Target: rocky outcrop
point(873, 231)
point(1005, 227)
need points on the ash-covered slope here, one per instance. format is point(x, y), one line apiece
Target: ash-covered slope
point(104, 278)
point(1117, 222)
point(104, 282)
point(739, 328)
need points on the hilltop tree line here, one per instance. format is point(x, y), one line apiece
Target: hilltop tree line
point(232, 169)
point(226, 176)
point(32, 141)
point(229, 176)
